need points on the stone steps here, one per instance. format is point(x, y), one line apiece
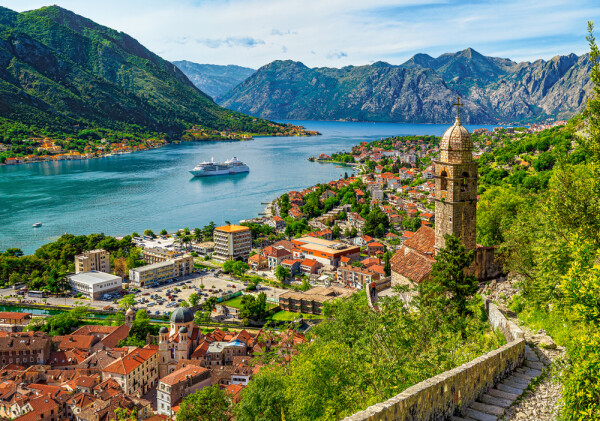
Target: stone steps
point(492, 405)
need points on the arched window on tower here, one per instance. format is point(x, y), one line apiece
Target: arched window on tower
point(444, 180)
point(464, 185)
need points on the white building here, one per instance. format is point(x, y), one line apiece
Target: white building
point(94, 284)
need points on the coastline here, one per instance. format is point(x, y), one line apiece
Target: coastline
point(70, 156)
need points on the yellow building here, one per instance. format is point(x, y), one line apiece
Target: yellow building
point(232, 242)
point(93, 260)
point(136, 372)
point(148, 275)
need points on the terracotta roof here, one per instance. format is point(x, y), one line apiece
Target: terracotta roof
point(277, 253)
point(95, 329)
point(411, 265)
point(309, 262)
point(183, 373)
point(13, 315)
point(111, 340)
point(234, 389)
point(23, 340)
point(422, 241)
point(131, 361)
point(374, 244)
point(67, 357)
point(75, 341)
point(232, 228)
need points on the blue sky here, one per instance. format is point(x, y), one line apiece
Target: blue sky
point(340, 32)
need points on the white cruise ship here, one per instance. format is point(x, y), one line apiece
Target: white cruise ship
point(231, 166)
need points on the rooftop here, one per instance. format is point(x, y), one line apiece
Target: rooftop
point(94, 277)
point(232, 228)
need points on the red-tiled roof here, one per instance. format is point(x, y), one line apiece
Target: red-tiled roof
point(412, 265)
point(182, 374)
point(131, 361)
point(423, 241)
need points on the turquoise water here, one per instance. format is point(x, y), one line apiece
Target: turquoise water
point(153, 189)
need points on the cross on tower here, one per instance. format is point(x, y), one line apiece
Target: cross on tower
point(458, 104)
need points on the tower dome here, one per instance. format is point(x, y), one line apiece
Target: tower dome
point(183, 329)
point(456, 144)
point(163, 330)
point(182, 315)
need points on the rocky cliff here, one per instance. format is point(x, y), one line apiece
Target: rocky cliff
point(421, 90)
point(213, 79)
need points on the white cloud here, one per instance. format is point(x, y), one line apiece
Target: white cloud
point(340, 32)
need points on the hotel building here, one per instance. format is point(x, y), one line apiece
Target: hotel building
point(232, 242)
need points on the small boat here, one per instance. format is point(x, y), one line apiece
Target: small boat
point(37, 224)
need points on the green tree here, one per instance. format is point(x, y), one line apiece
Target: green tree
point(239, 268)
point(449, 275)
point(149, 233)
point(127, 302)
point(387, 267)
point(254, 308)
point(209, 304)
point(228, 266)
point(194, 299)
point(264, 398)
point(282, 273)
point(208, 404)
point(163, 232)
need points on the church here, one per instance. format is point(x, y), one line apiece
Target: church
point(455, 213)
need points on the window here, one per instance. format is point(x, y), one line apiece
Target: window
point(464, 185)
point(444, 180)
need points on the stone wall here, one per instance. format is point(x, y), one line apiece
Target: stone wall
point(439, 397)
point(486, 266)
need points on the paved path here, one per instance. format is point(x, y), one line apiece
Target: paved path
point(492, 405)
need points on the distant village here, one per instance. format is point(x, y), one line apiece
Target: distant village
point(49, 150)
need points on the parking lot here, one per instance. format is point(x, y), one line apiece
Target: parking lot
point(164, 299)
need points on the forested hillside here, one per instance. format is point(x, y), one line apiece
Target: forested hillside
point(61, 71)
point(540, 204)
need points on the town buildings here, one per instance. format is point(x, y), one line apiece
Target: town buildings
point(326, 252)
point(94, 285)
point(136, 372)
point(149, 275)
point(232, 242)
point(311, 301)
point(93, 260)
point(12, 321)
point(175, 386)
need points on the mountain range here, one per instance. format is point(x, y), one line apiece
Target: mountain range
point(59, 69)
point(213, 79)
point(421, 90)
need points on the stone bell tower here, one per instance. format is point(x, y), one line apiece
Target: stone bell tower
point(456, 186)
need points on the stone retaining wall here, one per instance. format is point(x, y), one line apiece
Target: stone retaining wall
point(437, 398)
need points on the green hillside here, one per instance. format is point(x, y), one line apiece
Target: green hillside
point(61, 71)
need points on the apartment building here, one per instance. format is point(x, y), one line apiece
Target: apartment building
point(179, 384)
point(25, 348)
point(355, 277)
point(311, 301)
point(158, 254)
point(94, 284)
point(326, 252)
point(149, 275)
point(93, 260)
point(232, 242)
point(136, 372)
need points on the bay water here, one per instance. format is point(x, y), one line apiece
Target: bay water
point(153, 189)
